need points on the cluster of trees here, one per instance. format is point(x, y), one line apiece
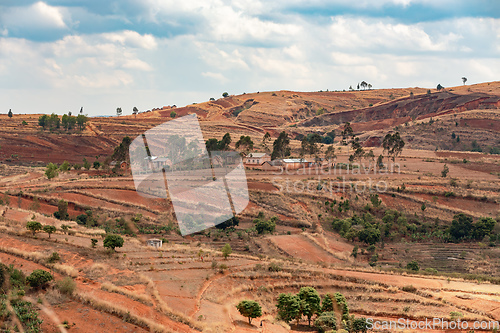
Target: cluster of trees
point(328, 311)
point(35, 226)
point(463, 228)
point(263, 225)
point(392, 225)
point(218, 145)
point(331, 312)
point(245, 143)
point(310, 144)
point(68, 122)
point(363, 85)
point(52, 170)
point(281, 146)
point(110, 241)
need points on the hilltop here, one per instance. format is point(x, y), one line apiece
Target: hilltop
point(471, 112)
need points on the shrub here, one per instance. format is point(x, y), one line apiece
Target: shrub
point(409, 288)
point(93, 242)
point(53, 257)
point(326, 321)
point(66, 286)
point(39, 278)
point(445, 171)
point(51, 171)
point(113, 241)
point(226, 251)
point(413, 265)
point(274, 267)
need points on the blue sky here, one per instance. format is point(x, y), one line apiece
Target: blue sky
point(59, 55)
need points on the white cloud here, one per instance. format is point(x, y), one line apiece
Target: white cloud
point(216, 76)
point(38, 15)
point(133, 39)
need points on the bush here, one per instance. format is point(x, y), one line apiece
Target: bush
point(413, 265)
point(226, 251)
point(409, 288)
point(66, 286)
point(327, 321)
point(274, 267)
point(53, 257)
point(39, 278)
point(113, 241)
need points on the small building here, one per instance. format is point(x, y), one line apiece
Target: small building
point(119, 164)
point(154, 242)
point(287, 164)
point(256, 159)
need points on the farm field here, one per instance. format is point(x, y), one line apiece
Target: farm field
point(188, 285)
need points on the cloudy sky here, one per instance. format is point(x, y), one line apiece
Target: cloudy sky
point(59, 55)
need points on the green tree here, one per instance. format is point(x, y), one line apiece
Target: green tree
point(65, 166)
point(39, 278)
point(265, 140)
point(439, 87)
point(51, 171)
point(224, 143)
point(360, 325)
point(464, 79)
point(33, 226)
point(135, 110)
point(288, 307)
point(121, 152)
point(244, 142)
point(445, 171)
point(226, 251)
point(62, 210)
point(225, 94)
point(42, 121)
point(93, 242)
point(263, 226)
point(461, 227)
point(328, 302)
point(249, 309)
point(49, 229)
point(173, 114)
point(113, 241)
point(310, 302)
point(119, 111)
point(281, 146)
point(86, 164)
point(97, 165)
point(413, 266)
point(10, 113)
point(81, 120)
point(483, 227)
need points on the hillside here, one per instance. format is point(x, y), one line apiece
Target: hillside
point(352, 231)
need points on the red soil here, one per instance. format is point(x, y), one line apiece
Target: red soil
point(298, 246)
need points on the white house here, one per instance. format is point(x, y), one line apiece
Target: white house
point(256, 158)
point(154, 242)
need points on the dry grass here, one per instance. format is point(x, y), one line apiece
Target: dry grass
point(121, 312)
point(144, 299)
point(65, 270)
point(37, 257)
point(168, 311)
